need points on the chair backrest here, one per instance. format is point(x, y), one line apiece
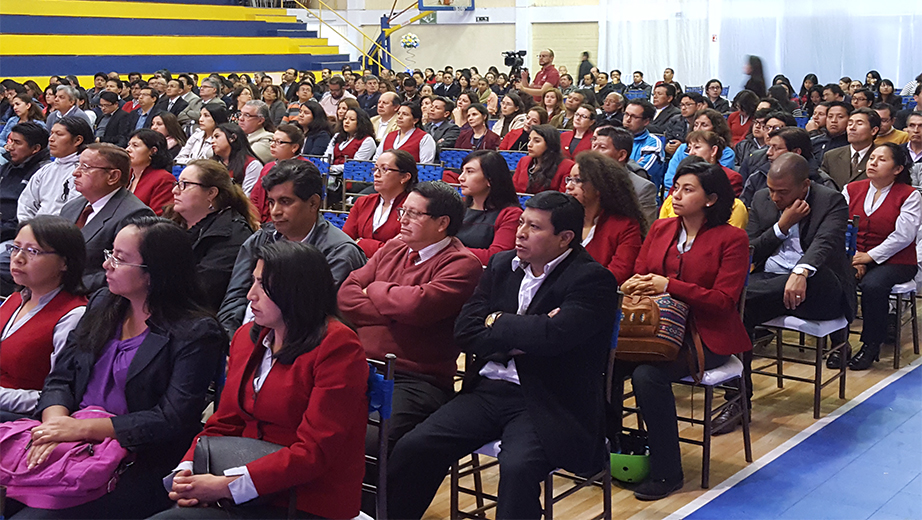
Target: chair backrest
point(362, 171)
point(429, 172)
point(696, 90)
point(322, 162)
point(337, 218)
point(452, 157)
point(178, 169)
point(851, 236)
point(512, 158)
point(610, 371)
point(380, 398)
point(635, 94)
point(523, 198)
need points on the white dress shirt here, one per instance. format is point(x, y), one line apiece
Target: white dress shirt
point(380, 216)
point(431, 250)
point(365, 152)
point(426, 145)
point(907, 223)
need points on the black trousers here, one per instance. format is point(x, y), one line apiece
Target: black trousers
point(875, 298)
point(652, 383)
point(228, 513)
point(493, 410)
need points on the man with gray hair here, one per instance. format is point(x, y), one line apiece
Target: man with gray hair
point(255, 122)
point(65, 104)
point(210, 91)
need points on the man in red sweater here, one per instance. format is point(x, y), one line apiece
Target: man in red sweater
point(406, 298)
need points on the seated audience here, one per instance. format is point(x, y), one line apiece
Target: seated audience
point(613, 224)
point(151, 181)
point(817, 124)
point(537, 372)
point(143, 116)
point(369, 100)
point(836, 133)
point(517, 140)
point(886, 253)
point(52, 185)
point(274, 98)
point(648, 150)
point(443, 130)
point(47, 258)
point(475, 135)
point(336, 91)
point(563, 120)
point(545, 167)
point(493, 210)
point(294, 189)
point(640, 86)
point(696, 258)
point(353, 139)
point(707, 120)
point(780, 140)
point(833, 92)
point(553, 103)
point(863, 98)
point(887, 133)
point(406, 298)
point(666, 112)
point(65, 105)
point(243, 95)
point(617, 143)
point(460, 113)
point(25, 110)
point(740, 121)
point(316, 128)
point(172, 100)
point(512, 115)
point(317, 408)
point(914, 147)
point(199, 145)
point(148, 319)
point(815, 97)
point(232, 149)
point(903, 115)
point(103, 204)
point(342, 107)
point(166, 124)
point(578, 140)
point(27, 149)
point(885, 94)
point(713, 90)
point(286, 142)
point(612, 110)
point(373, 219)
point(486, 96)
point(218, 218)
point(751, 150)
point(689, 105)
point(257, 127)
point(193, 109)
point(849, 163)
point(386, 120)
point(303, 93)
point(410, 136)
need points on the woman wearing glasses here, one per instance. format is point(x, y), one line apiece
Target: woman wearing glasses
point(145, 352)
point(572, 142)
point(46, 260)
point(218, 217)
point(373, 219)
point(286, 142)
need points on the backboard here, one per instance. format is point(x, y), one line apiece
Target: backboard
point(446, 5)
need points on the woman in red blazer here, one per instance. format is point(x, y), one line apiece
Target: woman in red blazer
point(296, 377)
point(613, 221)
point(701, 260)
point(578, 140)
point(373, 219)
point(517, 140)
point(545, 167)
point(150, 160)
point(476, 135)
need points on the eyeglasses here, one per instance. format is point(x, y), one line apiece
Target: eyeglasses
point(30, 252)
point(383, 171)
point(411, 214)
point(279, 142)
point(85, 166)
point(244, 115)
point(574, 180)
point(115, 262)
point(185, 184)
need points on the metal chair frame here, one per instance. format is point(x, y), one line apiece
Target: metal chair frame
point(386, 368)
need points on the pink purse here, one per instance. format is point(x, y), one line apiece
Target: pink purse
point(73, 474)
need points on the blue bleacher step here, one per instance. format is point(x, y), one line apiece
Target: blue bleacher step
point(296, 33)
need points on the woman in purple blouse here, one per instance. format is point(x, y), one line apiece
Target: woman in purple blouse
point(146, 352)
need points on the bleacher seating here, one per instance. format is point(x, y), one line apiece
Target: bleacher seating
point(452, 157)
point(512, 158)
point(429, 172)
point(337, 218)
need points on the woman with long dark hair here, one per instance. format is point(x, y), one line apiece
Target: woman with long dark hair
point(151, 180)
point(872, 81)
point(313, 371)
point(512, 115)
point(47, 258)
point(573, 142)
point(613, 221)
point(232, 149)
point(754, 70)
point(886, 94)
point(517, 140)
point(740, 121)
point(167, 125)
point(545, 167)
point(316, 127)
point(199, 144)
point(476, 135)
point(354, 139)
point(810, 81)
point(145, 352)
point(493, 210)
point(410, 135)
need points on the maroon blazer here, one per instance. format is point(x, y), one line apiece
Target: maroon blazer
point(316, 407)
point(510, 139)
point(360, 223)
point(520, 177)
point(155, 188)
point(584, 144)
point(616, 244)
point(710, 281)
point(490, 140)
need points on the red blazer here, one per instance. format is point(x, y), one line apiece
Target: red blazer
point(258, 194)
point(738, 131)
point(316, 406)
point(736, 180)
point(616, 244)
point(711, 279)
point(584, 144)
point(520, 177)
point(510, 139)
point(155, 188)
point(490, 140)
point(360, 223)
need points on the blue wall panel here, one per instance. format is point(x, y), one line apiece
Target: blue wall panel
point(21, 24)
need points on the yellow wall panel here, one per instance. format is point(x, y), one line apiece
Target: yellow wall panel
point(43, 45)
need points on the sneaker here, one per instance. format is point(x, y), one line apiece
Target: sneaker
point(658, 489)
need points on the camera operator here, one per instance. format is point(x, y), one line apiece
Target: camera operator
point(546, 78)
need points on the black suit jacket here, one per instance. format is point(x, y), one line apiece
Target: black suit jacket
point(136, 114)
point(661, 122)
point(178, 106)
point(100, 231)
point(165, 387)
point(822, 237)
point(118, 129)
point(445, 135)
point(565, 357)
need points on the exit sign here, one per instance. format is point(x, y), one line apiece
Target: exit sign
point(483, 18)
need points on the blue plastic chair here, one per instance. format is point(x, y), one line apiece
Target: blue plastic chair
point(802, 121)
point(178, 169)
point(452, 157)
point(512, 158)
point(380, 400)
point(635, 94)
point(336, 218)
point(361, 171)
point(320, 161)
point(523, 198)
point(429, 172)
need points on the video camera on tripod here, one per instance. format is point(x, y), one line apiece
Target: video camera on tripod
point(514, 60)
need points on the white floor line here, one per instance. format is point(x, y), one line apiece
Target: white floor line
point(711, 494)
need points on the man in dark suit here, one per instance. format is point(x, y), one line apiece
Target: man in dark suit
point(666, 112)
point(172, 101)
point(540, 325)
point(797, 232)
point(448, 87)
point(103, 205)
point(113, 125)
point(849, 163)
point(440, 126)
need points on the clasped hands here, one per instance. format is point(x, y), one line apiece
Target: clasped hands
point(645, 285)
point(860, 262)
point(47, 436)
point(199, 490)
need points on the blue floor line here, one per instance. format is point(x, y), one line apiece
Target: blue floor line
point(864, 464)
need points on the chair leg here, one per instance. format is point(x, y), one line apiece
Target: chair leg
point(606, 491)
point(744, 406)
point(915, 323)
point(478, 479)
point(818, 375)
point(898, 338)
point(549, 496)
point(843, 366)
point(453, 513)
point(779, 358)
point(706, 448)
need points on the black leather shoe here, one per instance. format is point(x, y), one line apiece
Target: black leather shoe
point(725, 422)
point(865, 357)
point(832, 362)
point(658, 489)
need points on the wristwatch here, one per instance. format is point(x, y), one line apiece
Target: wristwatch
point(801, 271)
point(491, 318)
